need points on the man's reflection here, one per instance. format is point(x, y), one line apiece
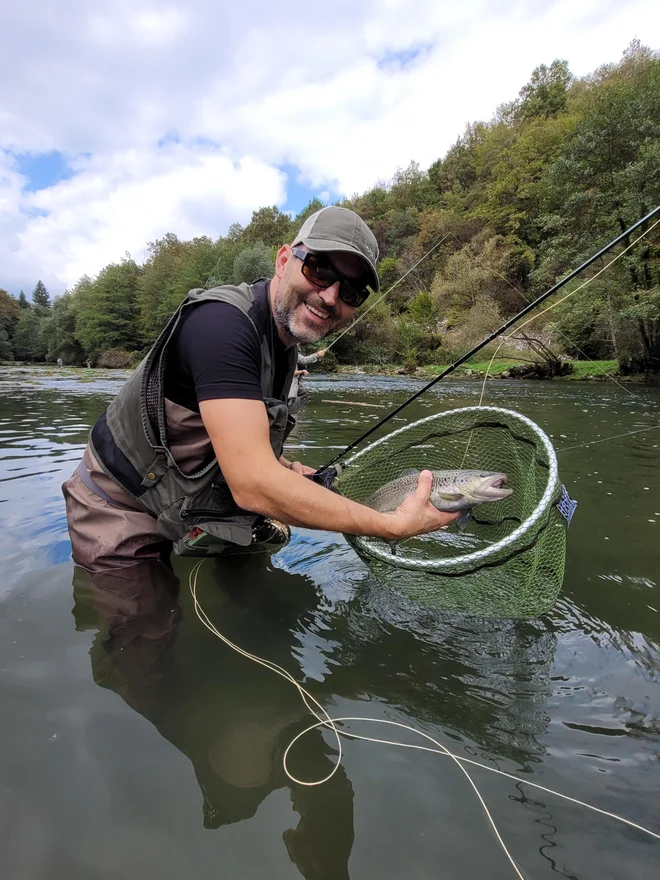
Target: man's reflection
point(225, 713)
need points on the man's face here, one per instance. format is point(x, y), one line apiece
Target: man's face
point(306, 313)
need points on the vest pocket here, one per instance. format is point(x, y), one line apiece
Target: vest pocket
point(213, 536)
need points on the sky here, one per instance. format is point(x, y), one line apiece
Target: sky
point(125, 120)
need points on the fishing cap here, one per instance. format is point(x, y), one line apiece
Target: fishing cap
point(338, 229)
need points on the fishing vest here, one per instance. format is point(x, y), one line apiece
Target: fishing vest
point(130, 440)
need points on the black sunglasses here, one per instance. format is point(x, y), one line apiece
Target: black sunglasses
point(318, 269)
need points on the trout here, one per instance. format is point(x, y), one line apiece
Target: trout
point(455, 491)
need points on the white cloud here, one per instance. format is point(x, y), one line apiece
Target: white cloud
point(119, 203)
point(315, 86)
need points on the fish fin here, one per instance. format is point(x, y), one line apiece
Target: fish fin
point(410, 472)
point(446, 496)
point(392, 545)
point(464, 520)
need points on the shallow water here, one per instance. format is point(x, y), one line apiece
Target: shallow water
point(136, 744)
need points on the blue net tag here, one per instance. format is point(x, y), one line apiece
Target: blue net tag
point(566, 506)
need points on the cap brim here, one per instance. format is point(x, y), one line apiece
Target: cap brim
point(320, 244)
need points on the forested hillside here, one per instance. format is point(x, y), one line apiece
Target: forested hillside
point(516, 203)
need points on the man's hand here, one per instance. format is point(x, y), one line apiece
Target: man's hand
point(301, 373)
point(322, 352)
point(296, 466)
point(417, 516)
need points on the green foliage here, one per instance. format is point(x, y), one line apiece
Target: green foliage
point(173, 268)
point(107, 309)
point(6, 350)
point(388, 272)
point(59, 330)
point(9, 313)
point(546, 94)
point(40, 296)
point(23, 301)
point(254, 262)
point(268, 226)
point(29, 343)
point(424, 310)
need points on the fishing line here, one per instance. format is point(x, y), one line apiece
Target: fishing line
point(389, 289)
point(564, 298)
point(520, 293)
point(605, 439)
point(535, 317)
point(530, 306)
point(325, 721)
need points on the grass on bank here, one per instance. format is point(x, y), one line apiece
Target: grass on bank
point(477, 369)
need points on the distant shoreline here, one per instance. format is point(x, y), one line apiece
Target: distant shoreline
point(593, 371)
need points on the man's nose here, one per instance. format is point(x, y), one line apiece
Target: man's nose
point(330, 295)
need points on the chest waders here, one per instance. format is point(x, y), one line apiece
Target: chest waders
point(195, 511)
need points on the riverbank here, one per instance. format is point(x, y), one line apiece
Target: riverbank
point(499, 369)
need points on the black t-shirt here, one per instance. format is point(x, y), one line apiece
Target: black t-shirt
point(217, 354)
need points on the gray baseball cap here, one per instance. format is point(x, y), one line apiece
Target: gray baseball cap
point(338, 229)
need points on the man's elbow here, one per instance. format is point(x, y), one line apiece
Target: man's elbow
point(250, 496)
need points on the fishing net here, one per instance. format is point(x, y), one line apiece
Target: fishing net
point(509, 561)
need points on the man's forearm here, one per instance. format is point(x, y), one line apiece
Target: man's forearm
point(294, 499)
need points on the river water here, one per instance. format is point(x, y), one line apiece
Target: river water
point(135, 744)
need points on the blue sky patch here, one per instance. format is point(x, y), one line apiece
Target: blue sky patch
point(404, 58)
point(43, 169)
point(298, 195)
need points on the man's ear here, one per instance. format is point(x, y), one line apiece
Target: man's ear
point(284, 256)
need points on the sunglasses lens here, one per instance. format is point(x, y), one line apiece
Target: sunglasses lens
point(323, 274)
point(351, 296)
point(318, 273)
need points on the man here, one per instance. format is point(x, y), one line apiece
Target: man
point(189, 454)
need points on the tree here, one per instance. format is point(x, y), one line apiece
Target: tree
point(6, 350)
point(40, 296)
point(9, 312)
point(546, 93)
point(23, 300)
point(59, 331)
point(106, 310)
point(254, 262)
point(172, 269)
point(28, 339)
point(607, 175)
point(270, 227)
point(643, 314)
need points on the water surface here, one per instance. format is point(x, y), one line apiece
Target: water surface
point(135, 744)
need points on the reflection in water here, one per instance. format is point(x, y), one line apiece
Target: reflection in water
point(233, 725)
point(484, 680)
point(485, 685)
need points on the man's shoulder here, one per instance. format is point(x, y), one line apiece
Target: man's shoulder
point(220, 316)
point(243, 296)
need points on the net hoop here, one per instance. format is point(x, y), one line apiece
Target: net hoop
point(382, 552)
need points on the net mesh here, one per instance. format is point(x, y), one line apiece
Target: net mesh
point(510, 560)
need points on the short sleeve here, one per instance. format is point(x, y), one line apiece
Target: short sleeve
point(219, 350)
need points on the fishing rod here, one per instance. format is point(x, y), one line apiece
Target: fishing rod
point(450, 369)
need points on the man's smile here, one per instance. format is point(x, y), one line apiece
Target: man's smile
point(318, 313)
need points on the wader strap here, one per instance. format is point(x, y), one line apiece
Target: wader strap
point(84, 475)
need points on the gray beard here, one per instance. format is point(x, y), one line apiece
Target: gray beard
point(285, 320)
